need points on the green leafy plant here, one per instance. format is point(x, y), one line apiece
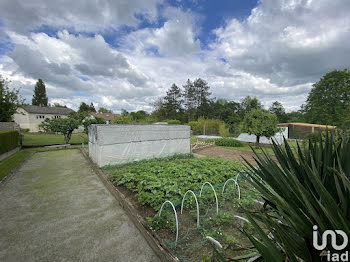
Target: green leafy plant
point(229, 142)
point(311, 187)
point(169, 178)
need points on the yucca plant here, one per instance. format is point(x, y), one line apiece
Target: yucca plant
point(301, 188)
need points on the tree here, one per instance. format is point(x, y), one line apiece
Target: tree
point(189, 99)
point(91, 121)
point(10, 100)
point(104, 110)
point(64, 126)
point(59, 105)
point(278, 109)
point(40, 97)
point(329, 100)
point(173, 101)
point(249, 104)
point(260, 123)
point(202, 97)
point(86, 108)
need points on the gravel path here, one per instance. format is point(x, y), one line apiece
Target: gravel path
point(56, 209)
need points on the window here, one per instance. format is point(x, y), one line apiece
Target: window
point(57, 117)
point(40, 117)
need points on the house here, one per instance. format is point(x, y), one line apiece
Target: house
point(301, 130)
point(108, 117)
point(29, 117)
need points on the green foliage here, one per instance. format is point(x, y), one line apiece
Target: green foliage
point(64, 126)
point(44, 139)
point(311, 187)
point(277, 109)
point(8, 140)
point(169, 178)
point(40, 97)
point(86, 108)
point(329, 99)
point(172, 102)
point(173, 122)
point(229, 142)
point(260, 123)
point(104, 110)
point(9, 101)
point(91, 121)
point(224, 131)
point(195, 127)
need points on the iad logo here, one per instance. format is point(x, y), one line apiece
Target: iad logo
point(333, 235)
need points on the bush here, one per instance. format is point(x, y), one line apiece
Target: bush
point(8, 140)
point(195, 127)
point(224, 131)
point(225, 142)
point(173, 122)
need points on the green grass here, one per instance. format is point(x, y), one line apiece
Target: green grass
point(7, 164)
point(11, 162)
point(161, 179)
point(41, 139)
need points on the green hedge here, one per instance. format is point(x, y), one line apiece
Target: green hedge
point(225, 142)
point(8, 141)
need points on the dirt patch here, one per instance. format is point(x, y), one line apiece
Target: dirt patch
point(227, 154)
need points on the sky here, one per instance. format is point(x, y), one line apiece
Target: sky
point(124, 54)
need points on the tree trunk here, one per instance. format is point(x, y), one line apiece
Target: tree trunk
point(257, 140)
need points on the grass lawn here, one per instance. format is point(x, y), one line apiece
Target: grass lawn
point(7, 164)
point(41, 139)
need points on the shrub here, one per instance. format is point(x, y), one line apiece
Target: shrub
point(223, 131)
point(302, 189)
point(8, 140)
point(195, 127)
point(173, 122)
point(230, 142)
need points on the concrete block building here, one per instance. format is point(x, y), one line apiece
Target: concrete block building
point(115, 144)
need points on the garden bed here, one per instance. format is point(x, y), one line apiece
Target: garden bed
point(147, 184)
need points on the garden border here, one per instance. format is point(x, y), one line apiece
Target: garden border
point(152, 239)
point(6, 178)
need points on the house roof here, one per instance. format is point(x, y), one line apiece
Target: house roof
point(105, 116)
point(306, 124)
point(47, 110)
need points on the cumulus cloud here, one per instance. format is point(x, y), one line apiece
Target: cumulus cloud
point(276, 53)
point(290, 42)
point(78, 15)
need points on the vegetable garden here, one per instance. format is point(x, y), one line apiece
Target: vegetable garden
point(155, 181)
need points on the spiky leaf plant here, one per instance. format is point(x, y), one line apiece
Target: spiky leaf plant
point(301, 188)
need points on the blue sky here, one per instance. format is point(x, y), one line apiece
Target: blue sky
point(126, 54)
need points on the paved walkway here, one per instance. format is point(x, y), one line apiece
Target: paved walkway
point(56, 209)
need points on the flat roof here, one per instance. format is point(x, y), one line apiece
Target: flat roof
point(306, 124)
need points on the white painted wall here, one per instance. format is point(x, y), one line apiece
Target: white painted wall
point(30, 121)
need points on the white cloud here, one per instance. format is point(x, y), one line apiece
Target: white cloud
point(275, 54)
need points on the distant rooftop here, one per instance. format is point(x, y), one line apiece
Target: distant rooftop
point(105, 116)
point(47, 110)
point(306, 124)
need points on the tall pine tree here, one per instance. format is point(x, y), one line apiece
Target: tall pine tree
point(173, 101)
point(40, 97)
point(190, 99)
point(202, 97)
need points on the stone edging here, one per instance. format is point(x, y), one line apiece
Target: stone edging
point(9, 153)
point(153, 240)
